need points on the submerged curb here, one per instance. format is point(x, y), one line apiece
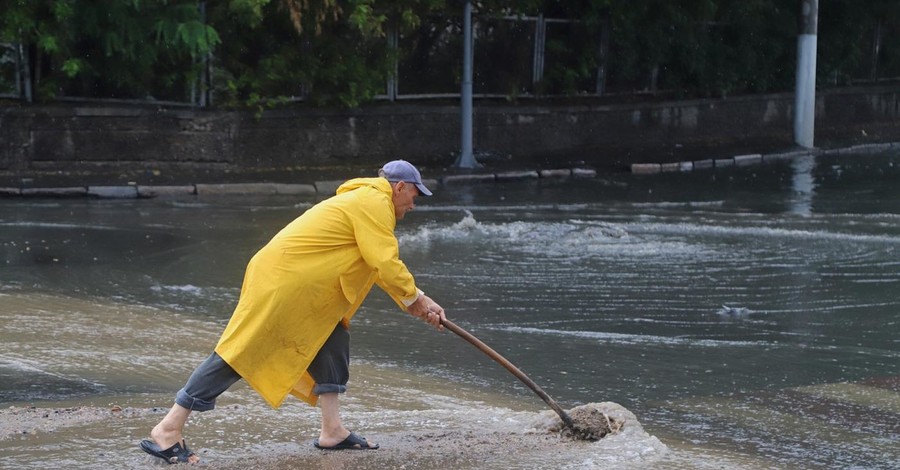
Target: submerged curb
point(754, 159)
point(136, 191)
point(254, 188)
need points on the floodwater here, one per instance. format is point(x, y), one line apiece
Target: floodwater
point(749, 318)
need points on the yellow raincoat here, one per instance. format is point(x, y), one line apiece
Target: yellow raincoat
point(312, 275)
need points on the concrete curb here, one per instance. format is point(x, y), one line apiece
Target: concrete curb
point(517, 175)
point(245, 189)
point(254, 188)
point(154, 191)
point(329, 187)
point(453, 179)
point(113, 192)
point(76, 191)
point(754, 159)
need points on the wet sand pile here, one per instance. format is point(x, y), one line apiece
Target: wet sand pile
point(593, 421)
point(543, 443)
point(617, 438)
point(45, 437)
point(591, 424)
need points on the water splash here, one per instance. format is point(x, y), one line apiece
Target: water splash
point(733, 312)
point(569, 239)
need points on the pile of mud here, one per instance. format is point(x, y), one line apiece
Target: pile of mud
point(593, 421)
point(591, 424)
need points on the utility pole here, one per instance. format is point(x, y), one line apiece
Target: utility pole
point(805, 93)
point(466, 158)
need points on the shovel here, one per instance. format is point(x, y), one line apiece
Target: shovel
point(566, 419)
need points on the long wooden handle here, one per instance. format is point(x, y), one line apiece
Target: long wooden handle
point(510, 367)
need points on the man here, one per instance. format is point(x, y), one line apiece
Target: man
point(288, 333)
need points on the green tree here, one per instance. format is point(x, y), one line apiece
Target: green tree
point(117, 48)
point(328, 51)
point(338, 52)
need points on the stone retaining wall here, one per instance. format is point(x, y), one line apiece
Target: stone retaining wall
point(60, 137)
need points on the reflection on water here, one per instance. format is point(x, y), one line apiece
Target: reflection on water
point(803, 184)
point(741, 315)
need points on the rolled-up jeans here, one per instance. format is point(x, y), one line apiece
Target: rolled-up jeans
point(330, 369)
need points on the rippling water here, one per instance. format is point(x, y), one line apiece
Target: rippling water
point(752, 312)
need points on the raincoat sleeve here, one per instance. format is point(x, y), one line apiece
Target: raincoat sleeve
point(402, 303)
point(374, 228)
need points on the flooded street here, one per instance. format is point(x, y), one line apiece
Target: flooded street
point(748, 318)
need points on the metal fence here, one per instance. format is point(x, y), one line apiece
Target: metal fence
point(514, 57)
point(10, 72)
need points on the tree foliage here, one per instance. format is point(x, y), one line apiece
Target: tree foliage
point(123, 48)
point(340, 52)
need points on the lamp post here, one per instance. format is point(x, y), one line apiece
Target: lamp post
point(466, 158)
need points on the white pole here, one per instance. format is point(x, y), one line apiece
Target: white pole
point(805, 94)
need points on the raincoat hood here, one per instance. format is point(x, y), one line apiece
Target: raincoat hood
point(380, 184)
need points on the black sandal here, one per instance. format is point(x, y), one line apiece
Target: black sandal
point(178, 453)
point(352, 442)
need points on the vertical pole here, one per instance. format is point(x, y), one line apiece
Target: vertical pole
point(466, 157)
point(208, 93)
point(197, 82)
point(654, 78)
point(876, 50)
point(537, 72)
point(26, 72)
point(805, 94)
point(206, 76)
point(603, 55)
point(393, 40)
point(201, 88)
point(194, 83)
point(18, 64)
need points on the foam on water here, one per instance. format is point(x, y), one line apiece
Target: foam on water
point(189, 288)
point(621, 338)
point(695, 229)
point(568, 239)
point(734, 312)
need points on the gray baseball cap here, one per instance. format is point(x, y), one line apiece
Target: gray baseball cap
point(402, 170)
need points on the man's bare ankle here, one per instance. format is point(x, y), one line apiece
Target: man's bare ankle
point(165, 438)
